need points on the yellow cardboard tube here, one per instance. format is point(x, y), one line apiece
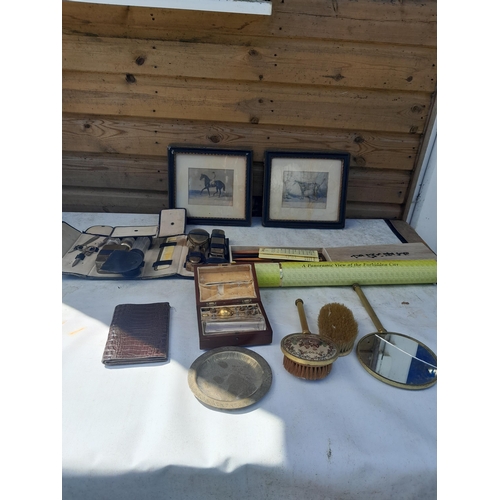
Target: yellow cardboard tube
point(387, 272)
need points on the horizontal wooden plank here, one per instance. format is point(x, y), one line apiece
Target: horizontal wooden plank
point(388, 10)
point(395, 22)
point(89, 134)
point(384, 186)
point(121, 201)
point(273, 60)
point(130, 173)
point(236, 102)
point(111, 171)
point(355, 210)
point(112, 200)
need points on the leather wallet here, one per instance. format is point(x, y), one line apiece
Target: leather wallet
point(138, 334)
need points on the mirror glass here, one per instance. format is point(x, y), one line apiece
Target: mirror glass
point(398, 360)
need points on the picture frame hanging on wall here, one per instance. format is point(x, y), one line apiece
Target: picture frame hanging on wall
point(305, 189)
point(213, 185)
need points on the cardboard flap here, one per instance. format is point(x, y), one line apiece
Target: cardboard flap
point(134, 231)
point(172, 222)
point(100, 230)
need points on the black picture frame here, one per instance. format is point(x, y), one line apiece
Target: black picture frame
point(305, 189)
point(213, 185)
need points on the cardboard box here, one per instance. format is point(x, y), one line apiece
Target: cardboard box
point(361, 253)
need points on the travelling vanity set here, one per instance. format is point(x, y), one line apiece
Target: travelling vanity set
point(230, 314)
point(213, 187)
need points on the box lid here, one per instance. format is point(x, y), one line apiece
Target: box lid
point(218, 283)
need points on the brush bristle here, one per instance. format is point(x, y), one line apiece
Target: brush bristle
point(336, 322)
point(305, 371)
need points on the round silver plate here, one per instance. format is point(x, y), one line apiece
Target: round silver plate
point(230, 378)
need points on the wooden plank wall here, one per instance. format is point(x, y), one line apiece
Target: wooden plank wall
point(317, 75)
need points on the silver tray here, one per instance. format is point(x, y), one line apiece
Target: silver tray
point(230, 378)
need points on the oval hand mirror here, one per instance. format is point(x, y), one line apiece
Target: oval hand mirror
point(394, 358)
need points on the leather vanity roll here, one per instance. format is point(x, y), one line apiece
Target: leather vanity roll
point(138, 333)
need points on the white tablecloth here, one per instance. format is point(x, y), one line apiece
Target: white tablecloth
point(138, 432)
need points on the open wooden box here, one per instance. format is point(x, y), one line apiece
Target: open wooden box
point(229, 307)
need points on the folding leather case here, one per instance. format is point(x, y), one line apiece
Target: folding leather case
point(138, 333)
point(124, 252)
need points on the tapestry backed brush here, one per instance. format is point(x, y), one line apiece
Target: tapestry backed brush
point(308, 355)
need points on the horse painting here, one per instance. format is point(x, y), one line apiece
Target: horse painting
point(218, 185)
point(309, 189)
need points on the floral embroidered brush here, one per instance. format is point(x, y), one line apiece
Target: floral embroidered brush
point(307, 355)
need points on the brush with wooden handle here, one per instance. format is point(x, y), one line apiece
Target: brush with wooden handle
point(336, 322)
point(307, 355)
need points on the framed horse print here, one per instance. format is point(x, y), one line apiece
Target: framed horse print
point(213, 185)
point(305, 190)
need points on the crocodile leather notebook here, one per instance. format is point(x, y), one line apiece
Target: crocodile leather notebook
point(138, 334)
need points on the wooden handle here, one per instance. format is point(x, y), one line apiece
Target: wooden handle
point(369, 309)
point(303, 321)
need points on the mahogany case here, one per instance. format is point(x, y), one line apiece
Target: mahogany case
point(229, 307)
